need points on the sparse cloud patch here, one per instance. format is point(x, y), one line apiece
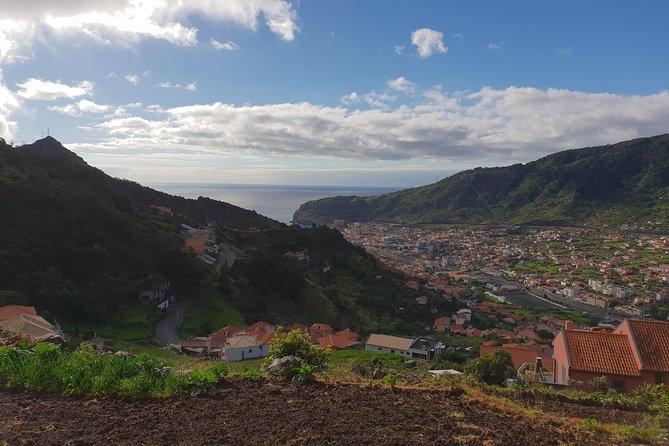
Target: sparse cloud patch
point(428, 41)
point(402, 84)
point(38, 89)
point(226, 46)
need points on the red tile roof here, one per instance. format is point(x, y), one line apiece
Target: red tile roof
point(652, 339)
point(606, 353)
point(9, 311)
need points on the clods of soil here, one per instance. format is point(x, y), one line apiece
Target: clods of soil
point(274, 414)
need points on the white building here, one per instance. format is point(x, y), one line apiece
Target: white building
point(243, 346)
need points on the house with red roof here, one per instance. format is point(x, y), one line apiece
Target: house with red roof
point(636, 352)
point(442, 324)
point(10, 311)
point(319, 329)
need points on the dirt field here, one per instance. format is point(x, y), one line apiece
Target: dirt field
point(276, 414)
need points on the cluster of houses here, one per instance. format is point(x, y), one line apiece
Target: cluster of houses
point(25, 321)
point(202, 242)
point(629, 355)
point(238, 343)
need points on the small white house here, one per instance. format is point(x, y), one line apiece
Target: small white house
point(409, 347)
point(243, 346)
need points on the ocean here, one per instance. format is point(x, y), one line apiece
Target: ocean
point(275, 201)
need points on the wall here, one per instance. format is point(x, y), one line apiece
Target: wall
point(374, 348)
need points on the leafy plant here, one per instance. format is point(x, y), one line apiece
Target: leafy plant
point(204, 380)
point(304, 373)
point(296, 343)
point(493, 368)
point(252, 374)
point(392, 380)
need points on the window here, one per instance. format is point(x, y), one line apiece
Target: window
point(392, 351)
point(250, 351)
point(379, 348)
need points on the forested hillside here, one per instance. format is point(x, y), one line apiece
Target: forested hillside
point(77, 244)
point(622, 183)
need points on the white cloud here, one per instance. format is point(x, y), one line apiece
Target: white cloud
point(428, 41)
point(8, 104)
point(350, 98)
point(190, 87)
point(486, 127)
point(82, 107)
point(496, 46)
point(228, 46)
point(132, 79)
point(37, 89)
point(398, 49)
point(379, 100)
point(124, 22)
point(402, 84)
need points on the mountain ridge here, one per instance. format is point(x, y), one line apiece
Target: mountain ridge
point(627, 181)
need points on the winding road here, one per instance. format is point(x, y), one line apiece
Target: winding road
point(166, 330)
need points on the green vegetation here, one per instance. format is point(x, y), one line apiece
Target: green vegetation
point(77, 243)
point(609, 185)
point(211, 311)
point(47, 367)
point(296, 343)
point(493, 368)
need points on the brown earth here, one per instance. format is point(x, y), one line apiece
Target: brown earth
point(280, 414)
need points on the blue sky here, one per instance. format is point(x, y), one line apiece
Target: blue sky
point(389, 93)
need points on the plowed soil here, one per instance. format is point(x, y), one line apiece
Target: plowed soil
point(277, 414)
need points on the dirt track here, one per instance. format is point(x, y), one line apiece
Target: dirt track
point(271, 414)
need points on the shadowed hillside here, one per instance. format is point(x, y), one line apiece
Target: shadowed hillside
point(622, 183)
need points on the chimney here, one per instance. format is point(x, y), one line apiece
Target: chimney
point(569, 325)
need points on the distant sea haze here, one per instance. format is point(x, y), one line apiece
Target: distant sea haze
point(275, 201)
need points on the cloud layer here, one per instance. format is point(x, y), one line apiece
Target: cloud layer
point(485, 127)
point(127, 21)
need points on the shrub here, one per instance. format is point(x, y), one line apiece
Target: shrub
point(204, 380)
point(252, 374)
point(493, 368)
point(296, 343)
point(392, 380)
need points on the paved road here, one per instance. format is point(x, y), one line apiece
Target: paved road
point(227, 255)
point(166, 330)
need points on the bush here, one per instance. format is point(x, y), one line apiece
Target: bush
point(493, 368)
point(296, 343)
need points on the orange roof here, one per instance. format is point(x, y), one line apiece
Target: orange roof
point(599, 352)
point(652, 340)
point(9, 311)
point(335, 341)
point(348, 334)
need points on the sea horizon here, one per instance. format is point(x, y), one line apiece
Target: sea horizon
point(276, 201)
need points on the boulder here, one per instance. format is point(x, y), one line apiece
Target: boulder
point(284, 366)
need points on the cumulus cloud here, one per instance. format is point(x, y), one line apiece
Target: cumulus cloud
point(190, 87)
point(398, 49)
point(489, 126)
point(132, 79)
point(428, 41)
point(402, 84)
point(227, 46)
point(350, 98)
point(37, 89)
point(497, 47)
point(82, 107)
point(128, 21)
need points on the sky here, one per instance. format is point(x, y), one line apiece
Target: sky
point(346, 92)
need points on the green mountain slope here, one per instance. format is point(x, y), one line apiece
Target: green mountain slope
point(622, 183)
point(77, 243)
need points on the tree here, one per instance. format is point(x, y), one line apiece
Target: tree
point(296, 343)
point(493, 368)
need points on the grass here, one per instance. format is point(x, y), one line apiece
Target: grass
point(210, 312)
point(47, 367)
point(137, 324)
